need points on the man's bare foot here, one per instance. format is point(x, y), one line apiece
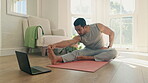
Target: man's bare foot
point(53, 57)
point(85, 57)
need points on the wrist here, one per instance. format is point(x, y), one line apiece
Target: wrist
point(109, 46)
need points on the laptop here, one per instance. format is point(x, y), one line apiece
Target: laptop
point(24, 64)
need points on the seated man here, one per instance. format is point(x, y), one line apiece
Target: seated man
point(91, 37)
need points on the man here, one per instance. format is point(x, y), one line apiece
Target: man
point(91, 37)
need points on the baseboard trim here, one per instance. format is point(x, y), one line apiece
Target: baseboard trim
point(10, 51)
point(135, 49)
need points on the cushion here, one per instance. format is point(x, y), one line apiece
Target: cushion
point(44, 23)
point(51, 39)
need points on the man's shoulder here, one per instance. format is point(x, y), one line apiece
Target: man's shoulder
point(94, 24)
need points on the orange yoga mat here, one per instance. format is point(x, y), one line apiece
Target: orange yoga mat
point(89, 66)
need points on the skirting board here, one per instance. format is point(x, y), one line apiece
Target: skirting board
point(135, 49)
point(10, 51)
point(142, 49)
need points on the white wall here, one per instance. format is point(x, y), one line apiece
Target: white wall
point(0, 27)
point(100, 11)
point(49, 10)
point(141, 36)
point(63, 16)
point(11, 31)
point(11, 28)
point(32, 5)
point(57, 11)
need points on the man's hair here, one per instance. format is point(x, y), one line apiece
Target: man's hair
point(80, 21)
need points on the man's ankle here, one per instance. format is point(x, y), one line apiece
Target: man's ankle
point(59, 58)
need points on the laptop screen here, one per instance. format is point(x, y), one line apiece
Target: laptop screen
point(23, 61)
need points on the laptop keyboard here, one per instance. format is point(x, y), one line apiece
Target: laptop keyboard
point(37, 69)
point(34, 70)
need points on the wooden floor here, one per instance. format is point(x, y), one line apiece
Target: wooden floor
point(126, 68)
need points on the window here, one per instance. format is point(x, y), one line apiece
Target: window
point(122, 7)
point(83, 9)
point(17, 7)
point(121, 17)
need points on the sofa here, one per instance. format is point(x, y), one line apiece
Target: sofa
point(51, 35)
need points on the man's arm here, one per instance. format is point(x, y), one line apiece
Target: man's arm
point(65, 43)
point(107, 31)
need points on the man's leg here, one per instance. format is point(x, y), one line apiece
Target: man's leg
point(70, 56)
point(83, 54)
point(85, 58)
point(53, 57)
point(97, 55)
point(106, 55)
point(78, 55)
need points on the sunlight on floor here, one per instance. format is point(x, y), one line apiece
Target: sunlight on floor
point(127, 57)
point(131, 65)
point(135, 62)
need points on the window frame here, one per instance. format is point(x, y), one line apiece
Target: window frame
point(134, 20)
point(91, 16)
point(11, 12)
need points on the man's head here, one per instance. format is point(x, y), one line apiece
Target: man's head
point(80, 26)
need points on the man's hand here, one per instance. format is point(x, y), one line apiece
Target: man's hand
point(51, 46)
point(103, 48)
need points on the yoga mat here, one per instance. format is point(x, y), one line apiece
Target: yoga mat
point(89, 66)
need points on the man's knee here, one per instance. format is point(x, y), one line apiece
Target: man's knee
point(82, 52)
point(75, 53)
point(113, 52)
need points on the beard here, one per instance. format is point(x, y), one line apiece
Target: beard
point(82, 34)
